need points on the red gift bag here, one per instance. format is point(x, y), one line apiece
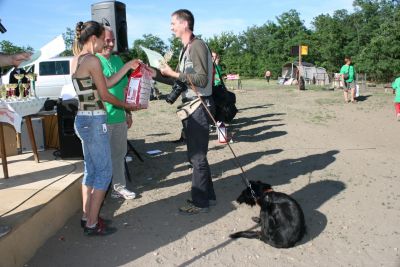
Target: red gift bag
point(139, 87)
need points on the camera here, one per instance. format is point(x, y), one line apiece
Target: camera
point(2, 28)
point(177, 88)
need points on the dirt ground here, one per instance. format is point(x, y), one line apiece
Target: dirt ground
point(338, 160)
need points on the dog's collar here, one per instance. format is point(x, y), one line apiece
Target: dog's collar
point(268, 190)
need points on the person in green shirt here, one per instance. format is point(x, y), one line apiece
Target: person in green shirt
point(396, 91)
point(118, 120)
point(348, 76)
point(218, 69)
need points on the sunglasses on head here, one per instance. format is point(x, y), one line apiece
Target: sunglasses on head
point(106, 22)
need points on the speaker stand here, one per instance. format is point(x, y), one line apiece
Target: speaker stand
point(131, 148)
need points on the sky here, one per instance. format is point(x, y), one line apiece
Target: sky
point(35, 23)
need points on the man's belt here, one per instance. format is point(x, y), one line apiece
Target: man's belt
point(188, 99)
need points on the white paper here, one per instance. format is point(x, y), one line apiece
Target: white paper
point(154, 152)
point(154, 57)
point(49, 50)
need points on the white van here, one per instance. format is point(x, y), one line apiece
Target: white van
point(52, 75)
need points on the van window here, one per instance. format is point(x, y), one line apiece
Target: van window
point(54, 68)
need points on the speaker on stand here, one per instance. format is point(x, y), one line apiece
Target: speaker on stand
point(113, 14)
point(70, 144)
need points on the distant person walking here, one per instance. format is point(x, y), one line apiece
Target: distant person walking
point(348, 76)
point(396, 91)
point(267, 75)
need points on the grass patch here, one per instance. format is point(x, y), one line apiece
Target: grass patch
point(253, 84)
point(164, 88)
point(317, 116)
point(314, 87)
point(321, 118)
point(328, 101)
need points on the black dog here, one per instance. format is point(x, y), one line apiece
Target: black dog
point(281, 217)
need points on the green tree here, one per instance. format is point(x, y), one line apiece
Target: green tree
point(224, 45)
point(69, 37)
point(230, 50)
point(329, 40)
point(175, 46)
point(9, 48)
point(380, 57)
point(149, 41)
point(369, 35)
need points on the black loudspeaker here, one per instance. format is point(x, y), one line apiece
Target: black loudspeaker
point(70, 144)
point(113, 14)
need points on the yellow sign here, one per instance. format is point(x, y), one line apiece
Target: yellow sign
point(304, 50)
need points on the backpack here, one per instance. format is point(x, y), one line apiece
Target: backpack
point(225, 108)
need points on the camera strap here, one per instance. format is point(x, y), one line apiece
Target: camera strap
point(184, 50)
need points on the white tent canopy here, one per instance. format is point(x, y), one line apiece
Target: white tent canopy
point(310, 73)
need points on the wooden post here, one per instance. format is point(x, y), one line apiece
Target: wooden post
point(31, 134)
point(299, 65)
point(3, 152)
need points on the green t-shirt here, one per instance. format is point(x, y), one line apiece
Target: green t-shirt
point(352, 73)
point(217, 79)
point(396, 87)
point(110, 67)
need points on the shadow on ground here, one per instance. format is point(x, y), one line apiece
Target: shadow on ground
point(145, 228)
point(157, 223)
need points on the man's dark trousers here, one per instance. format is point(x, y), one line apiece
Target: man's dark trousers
point(197, 132)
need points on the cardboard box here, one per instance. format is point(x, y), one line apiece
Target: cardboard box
point(37, 125)
point(50, 124)
point(10, 140)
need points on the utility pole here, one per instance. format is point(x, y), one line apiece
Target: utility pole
point(299, 68)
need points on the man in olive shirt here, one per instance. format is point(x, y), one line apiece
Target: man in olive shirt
point(195, 66)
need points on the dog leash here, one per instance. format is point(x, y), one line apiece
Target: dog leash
point(235, 159)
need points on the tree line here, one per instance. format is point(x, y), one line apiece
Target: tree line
point(370, 35)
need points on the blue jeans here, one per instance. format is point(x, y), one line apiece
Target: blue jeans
point(92, 130)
